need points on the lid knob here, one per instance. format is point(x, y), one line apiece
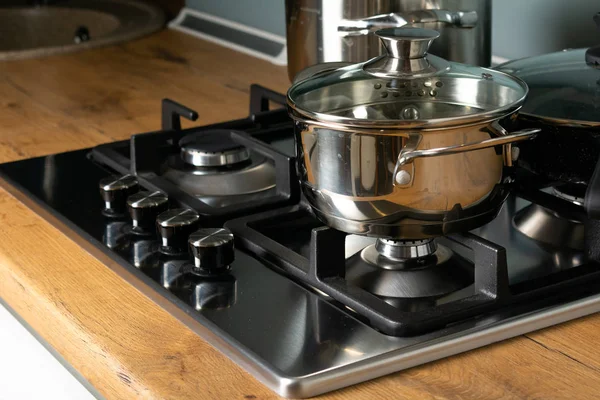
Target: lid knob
point(407, 43)
point(406, 56)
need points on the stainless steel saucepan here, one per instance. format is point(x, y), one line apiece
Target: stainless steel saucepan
point(406, 145)
point(343, 30)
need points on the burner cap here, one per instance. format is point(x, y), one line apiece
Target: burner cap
point(545, 226)
point(404, 250)
point(435, 275)
point(213, 148)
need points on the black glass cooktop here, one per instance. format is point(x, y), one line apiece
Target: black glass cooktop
point(282, 310)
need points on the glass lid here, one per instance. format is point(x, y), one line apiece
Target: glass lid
point(563, 87)
point(405, 87)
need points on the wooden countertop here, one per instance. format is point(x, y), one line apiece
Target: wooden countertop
point(123, 343)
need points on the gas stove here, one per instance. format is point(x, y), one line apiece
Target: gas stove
point(209, 222)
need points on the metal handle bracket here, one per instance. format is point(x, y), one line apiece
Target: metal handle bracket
point(409, 154)
point(460, 19)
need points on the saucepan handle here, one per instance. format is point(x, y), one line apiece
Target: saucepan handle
point(460, 19)
point(409, 154)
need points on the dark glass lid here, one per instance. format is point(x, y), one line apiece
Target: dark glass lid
point(563, 88)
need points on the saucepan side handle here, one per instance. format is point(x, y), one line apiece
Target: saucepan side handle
point(409, 154)
point(459, 19)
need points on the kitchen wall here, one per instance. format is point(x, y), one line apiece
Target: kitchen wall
point(520, 27)
point(529, 27)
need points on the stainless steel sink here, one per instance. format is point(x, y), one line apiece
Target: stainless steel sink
point(73, 25)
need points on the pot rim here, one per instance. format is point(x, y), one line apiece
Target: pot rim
point(381, 129)
point(339, 122)
point(387, 130)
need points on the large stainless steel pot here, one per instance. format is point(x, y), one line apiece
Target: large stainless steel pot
point(343, 30)
point(406, 145)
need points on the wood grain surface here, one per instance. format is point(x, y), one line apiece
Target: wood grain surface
point(123, 343)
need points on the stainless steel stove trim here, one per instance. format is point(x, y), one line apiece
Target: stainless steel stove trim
point(328, 380)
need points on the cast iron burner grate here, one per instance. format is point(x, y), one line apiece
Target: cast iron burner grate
point(144, 154)
point(295, 242)
point(324, 269)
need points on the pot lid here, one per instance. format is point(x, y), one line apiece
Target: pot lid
point(406, 88)
point(563, 87)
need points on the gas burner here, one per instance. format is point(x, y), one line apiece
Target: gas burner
point(408, 269)
point(213, 148)
point(549, 227)
point(212, 167)
point(403, 252)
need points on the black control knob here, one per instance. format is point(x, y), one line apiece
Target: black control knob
point(212, 249)
point(115, 190)
point(175, 227)
point(144, 207)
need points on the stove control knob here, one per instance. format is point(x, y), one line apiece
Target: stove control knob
point(212, 249)
point(175, 226)
point(144, 207)
point(115, 190)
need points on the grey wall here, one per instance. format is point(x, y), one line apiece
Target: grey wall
point(520, 27)
point(530, 27)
